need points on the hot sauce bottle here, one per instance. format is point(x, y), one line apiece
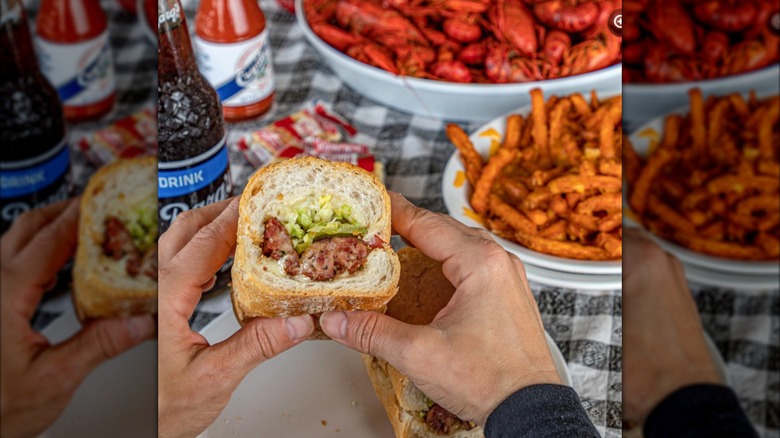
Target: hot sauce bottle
point(74, 54)
point(233, 53)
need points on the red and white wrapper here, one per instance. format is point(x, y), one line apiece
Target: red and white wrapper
point(313, 131)
point(129, 137)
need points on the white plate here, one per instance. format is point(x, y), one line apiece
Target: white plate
point(729, 280)
point(568, 280)
point(641, 145)
point(457, 201)
point(643, 102)
point(317, 389)
point(447, 100)
point(118, 399)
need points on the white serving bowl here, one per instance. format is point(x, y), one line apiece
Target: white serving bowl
point(645, 102)
point(448, 100)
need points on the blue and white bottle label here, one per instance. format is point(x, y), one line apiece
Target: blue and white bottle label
point(241, 72)
point(192, 183)
point(33, 183)
point(82, 73)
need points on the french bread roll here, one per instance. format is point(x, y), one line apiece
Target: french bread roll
point(101, 286)
point(423, 291)
point(262, 288)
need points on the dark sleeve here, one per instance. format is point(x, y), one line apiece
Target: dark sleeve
point(699, 411)
point(540, 411)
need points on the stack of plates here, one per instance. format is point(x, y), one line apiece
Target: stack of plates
point(540, 268)
point(701, 268)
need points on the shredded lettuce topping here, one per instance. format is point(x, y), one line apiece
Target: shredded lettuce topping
point(313, 219)
point(142, 225)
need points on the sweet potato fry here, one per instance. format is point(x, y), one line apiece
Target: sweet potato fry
point(610, 202)
point(538, 217)
point(769, 244)
point(768, 168)
point(555, 140)
point(612, 244)
point(720, 248)
point(590, 223)
point(671, 131)
point(766, 131)
point(698, 128)
point(537, 198)
point(579, 104)
point(713, 231)
point(611, 167)
point(514, 189)
point(638, 198)
point(512, 217)
point(539, 120)
point(738, 184)
point(571, 250)
point(479, 200)
point(514, 126)
point(669, 216)
point(611, 222)
point(540, 178)
point(607, 131)
point(554, 231)
point(471, 159)
point(580, 184)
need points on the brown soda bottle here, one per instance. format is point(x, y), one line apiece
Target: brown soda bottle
point(34, 155)
point(193, 168)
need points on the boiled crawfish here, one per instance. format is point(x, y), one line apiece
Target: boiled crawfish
point(567, 15)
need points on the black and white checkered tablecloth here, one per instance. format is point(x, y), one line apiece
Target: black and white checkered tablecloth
point(585, 325)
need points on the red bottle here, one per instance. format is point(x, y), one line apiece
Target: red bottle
point(74, 54)
point(234, 55)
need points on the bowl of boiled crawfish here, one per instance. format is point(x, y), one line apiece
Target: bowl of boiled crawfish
point(719, 46)
point(465, 59)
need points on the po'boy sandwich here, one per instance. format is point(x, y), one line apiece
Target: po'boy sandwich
point(115, 271)
point(422, 292)
point(313, 236)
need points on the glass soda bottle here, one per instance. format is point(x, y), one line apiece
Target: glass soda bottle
point(34, 155)
point(193, 168)
point(74, 53)
point(233, 52)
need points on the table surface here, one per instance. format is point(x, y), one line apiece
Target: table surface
point(586, 325)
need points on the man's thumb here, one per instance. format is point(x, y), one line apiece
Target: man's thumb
point(372, 333)
point(101, 340)
point(261, 339)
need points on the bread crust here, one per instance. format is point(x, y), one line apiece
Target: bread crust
point(93, 296)
point(406, 424)
point(254, 296)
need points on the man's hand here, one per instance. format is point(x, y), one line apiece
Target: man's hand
point(662, 330)
point(197, 379)
point(39, 379)
point(487, 343)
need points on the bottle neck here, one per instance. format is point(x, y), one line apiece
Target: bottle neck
point(70, 21)
point(225, 21)
point(17, 56)
point(174, 50)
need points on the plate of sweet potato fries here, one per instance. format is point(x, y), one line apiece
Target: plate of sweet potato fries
point(704, 181)
point(546, 181)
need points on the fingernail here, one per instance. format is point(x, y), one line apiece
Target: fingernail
point(298, 327)
point(140, 327)
point(334, 324)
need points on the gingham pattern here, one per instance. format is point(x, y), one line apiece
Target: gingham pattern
point(135, 67)
point(745, 326)
point(585, 325)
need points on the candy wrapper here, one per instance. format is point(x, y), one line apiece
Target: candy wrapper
point(313, 131)
point(131, 136)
